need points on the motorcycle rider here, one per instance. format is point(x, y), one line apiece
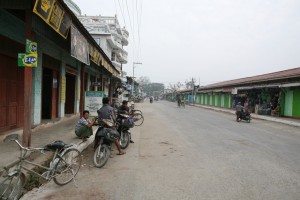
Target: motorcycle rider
point(124, 109)
point(107, 112)
point(239, 109)
point(151, 99)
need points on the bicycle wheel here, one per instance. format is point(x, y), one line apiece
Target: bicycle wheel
point(124, 140)
point(11, 185)
point(67, 166)
point(138, 119)
point(101, 155)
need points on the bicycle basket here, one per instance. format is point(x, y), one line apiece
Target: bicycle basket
point(128, 123)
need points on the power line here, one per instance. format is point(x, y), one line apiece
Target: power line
point(122, 12)
point(131, 29)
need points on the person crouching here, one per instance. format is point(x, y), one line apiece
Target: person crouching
point(83, 128)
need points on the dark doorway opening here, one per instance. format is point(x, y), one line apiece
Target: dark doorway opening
point(47, 93)
point(70, 93)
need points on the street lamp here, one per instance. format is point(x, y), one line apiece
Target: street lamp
point(134, 63)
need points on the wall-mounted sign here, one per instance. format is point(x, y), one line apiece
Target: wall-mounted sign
point(79, 46)
point(93, 101)
point(27, 60)
point(63, 90)
point(31, 47)
point(54, 15)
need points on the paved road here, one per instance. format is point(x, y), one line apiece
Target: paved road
point(193, 153)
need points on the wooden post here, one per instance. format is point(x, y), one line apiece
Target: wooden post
point(26, 138)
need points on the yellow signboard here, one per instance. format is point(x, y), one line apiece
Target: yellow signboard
point(54, 15)
point(63, 90)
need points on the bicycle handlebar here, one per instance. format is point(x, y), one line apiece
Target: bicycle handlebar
point(14, 137)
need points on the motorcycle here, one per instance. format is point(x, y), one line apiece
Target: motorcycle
point(123, 126)
point(151, 99)
point(244, 115)
point(104, 138)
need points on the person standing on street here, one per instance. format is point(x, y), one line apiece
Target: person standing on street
point(83, 128)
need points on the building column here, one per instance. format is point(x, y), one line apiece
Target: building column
point(37, 91)
point(78, 90)
point(62, 90)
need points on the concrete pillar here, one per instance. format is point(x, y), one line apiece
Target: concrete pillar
point(37, 91)
point(77, 90)
point(62, 90)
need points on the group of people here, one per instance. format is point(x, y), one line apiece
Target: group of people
point(83, 128)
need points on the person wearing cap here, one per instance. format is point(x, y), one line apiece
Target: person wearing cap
point(239, 109)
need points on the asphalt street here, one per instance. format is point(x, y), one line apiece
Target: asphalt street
point(192, 153)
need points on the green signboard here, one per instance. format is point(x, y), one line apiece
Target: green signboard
point(27, 60)
point(31, 47)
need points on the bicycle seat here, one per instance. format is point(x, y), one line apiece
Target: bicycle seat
point(58, 144)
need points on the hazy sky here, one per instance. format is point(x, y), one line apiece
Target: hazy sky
point(210, 40)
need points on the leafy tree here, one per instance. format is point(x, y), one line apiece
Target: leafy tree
point(175, 87)
point(143, 80)
point(189, 84)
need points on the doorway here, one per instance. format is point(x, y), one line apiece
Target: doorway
point(70, 93)
point(50, 94)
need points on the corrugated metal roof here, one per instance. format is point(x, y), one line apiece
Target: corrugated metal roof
point(290, 73)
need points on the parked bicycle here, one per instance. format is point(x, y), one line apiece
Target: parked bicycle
point(63, 168)
point(138, 118)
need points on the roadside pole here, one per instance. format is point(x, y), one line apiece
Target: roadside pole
point(26, 137)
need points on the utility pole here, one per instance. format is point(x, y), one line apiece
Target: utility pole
point(132, 87)
point(193, 88)
point(26, 137)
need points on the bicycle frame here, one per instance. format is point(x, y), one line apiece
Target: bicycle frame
point(23, 159)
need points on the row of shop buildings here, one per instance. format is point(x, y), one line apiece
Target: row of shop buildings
point(276, 94)
point(70, 64)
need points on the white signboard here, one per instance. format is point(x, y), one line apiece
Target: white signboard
point(93, 102)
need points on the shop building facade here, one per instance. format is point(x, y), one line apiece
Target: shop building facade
point(276, 93)
point(61, 76)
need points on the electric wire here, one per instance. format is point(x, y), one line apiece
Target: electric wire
point(133, 45)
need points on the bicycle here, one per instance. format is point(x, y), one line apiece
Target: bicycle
point(138, 118)
point(63, 168)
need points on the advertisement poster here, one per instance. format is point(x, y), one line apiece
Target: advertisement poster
point(93, 102)
point(63, 90)
point(54, 15)
point(79, 46)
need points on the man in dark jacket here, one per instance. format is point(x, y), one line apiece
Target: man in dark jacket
point(107, 112)
point(124, 109)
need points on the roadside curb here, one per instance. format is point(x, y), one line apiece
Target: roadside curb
point(81, 146)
